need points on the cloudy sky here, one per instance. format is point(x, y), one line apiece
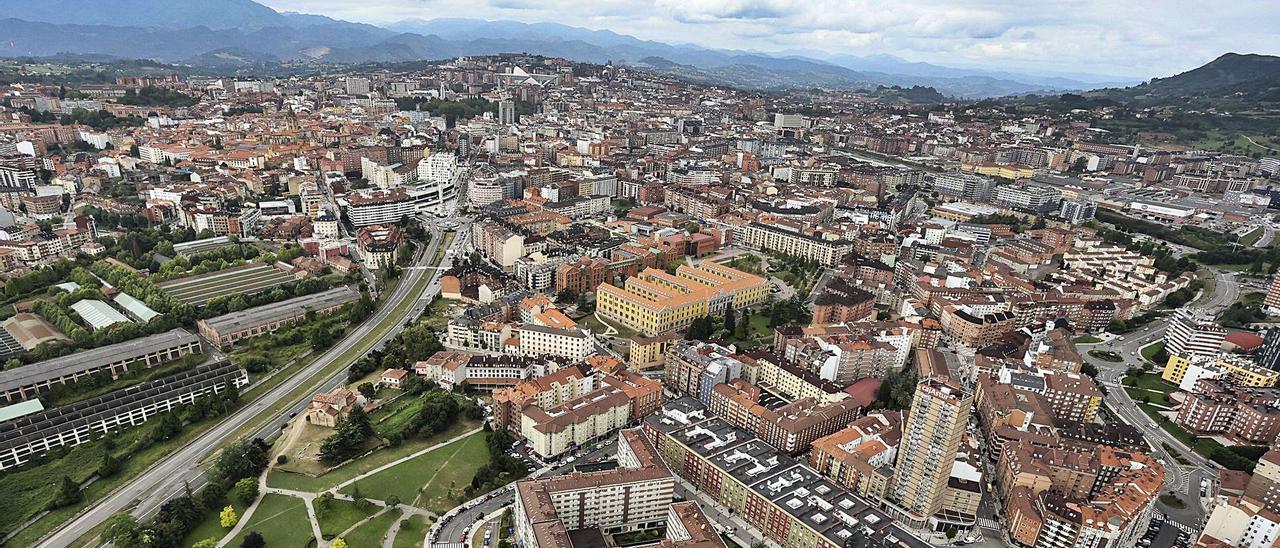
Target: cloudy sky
point(1131, 38)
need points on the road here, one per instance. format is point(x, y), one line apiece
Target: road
point(144, 494)
point(1183, 480)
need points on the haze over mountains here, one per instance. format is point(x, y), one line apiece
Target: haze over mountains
point(231, 33)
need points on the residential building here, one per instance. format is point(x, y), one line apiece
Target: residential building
point(932, 432)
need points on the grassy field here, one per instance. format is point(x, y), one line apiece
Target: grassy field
point(1158, 398)
point(1153, 382)
point(1252, 237)
point(430, 481)
point(298, 482)
point(412, 532)
point(211, 527)
point(282, 520)
point(598, 327)
point(340, 515)
point(1149, 387)
point(1149, 352)
point(371, 533)
point(758, 332)
point(251, 278)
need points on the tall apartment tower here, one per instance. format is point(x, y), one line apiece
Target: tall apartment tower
point(1271, 304)
point(506, 112)
point(930, 440)
point(1193, 335)
point(357, 86)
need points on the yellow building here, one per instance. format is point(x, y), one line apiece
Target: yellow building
point(1175, 369)
point(1237, 369)
point(649, 352)
point(1011, 172)
point(655, 302)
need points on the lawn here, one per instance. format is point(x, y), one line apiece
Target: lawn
point(282, 520)
point(1149, 351)
point(371, 532)
point(599, 327)
point(1155, 397)
point(758, 332)
point(430, 481)
point(339, 515)
point(299, 482)
point(1086, 339)
point(412, 532)
point(211, 527)
point(1252, 237)
point(1153, 382)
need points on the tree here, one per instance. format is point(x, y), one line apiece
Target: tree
point(692, 228)
point(228, 517)
point(109, 465)
point(122, 531)
point(245, 491)
point(730, 319)
point(339, 543)
point(367, 390)
point(68, 493)
point(324, 500)
point(253, 540)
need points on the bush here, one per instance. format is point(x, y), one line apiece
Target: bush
point(282, 459)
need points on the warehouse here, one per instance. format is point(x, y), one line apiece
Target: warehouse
point(32, 435)
point(29, 381)
point(226, 329)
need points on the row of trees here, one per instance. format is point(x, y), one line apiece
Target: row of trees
point(179, 516)
point(414, 343)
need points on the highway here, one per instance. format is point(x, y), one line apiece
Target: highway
point(1183, 480)
point(144, 494)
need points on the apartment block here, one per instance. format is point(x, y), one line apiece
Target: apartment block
point(796, 244)
point(931, 438)
point(655, 302)
point(637, 495)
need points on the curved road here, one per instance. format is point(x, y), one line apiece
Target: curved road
point(169, 477)
point(1183, 480)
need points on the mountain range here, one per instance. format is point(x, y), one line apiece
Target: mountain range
point(243, 33)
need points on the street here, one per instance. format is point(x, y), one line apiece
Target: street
point(171, 475)
point(455, 526)
point(1182, 480)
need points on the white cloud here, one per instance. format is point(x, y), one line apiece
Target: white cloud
point(1139, 38)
